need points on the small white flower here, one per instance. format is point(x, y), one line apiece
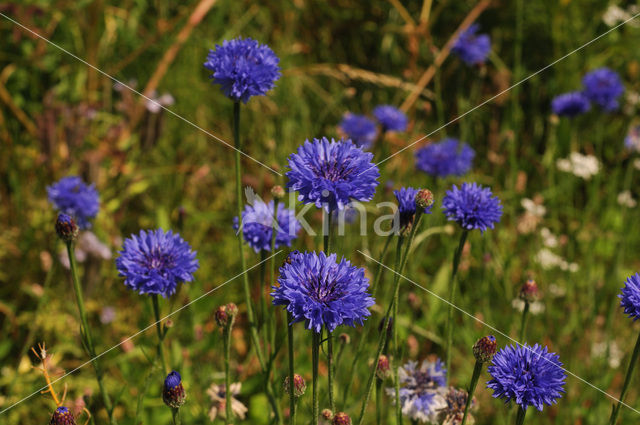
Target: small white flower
point(535, 307)
point(218, 399)
point(154, 104)
point(548, 239)
point(626, 199)
point(533, 208)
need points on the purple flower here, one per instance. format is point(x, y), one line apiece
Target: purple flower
point(472, 48)
point(530, 376)
point(331, 174)
point(243, 68)
point(257, 225)
point(406, 198)
point(154, 262)
point(173, 393)
point(72, 196)
point(603, 87)
point(323, 292)
point(391, 118)
point(630, 297)
point(422, 390)
point(449, 157)
point(472, 206)
point(570, 104)
point(62, 416)
point(360, 129)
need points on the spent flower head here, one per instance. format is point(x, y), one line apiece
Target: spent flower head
point(243, 68)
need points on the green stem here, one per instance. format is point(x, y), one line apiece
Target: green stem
point(175, 415)
point(627, 381)
point(292, 398)
point(255, 340)
point(452, 292)
point(376, 279)
point(227, 372)
point(86, 333)
point(394, 323)
point(520, 417)
point(331, 370)
point(315, 351)
point(156, 312)
point(523, 322)
point(327, 235)
point(378, 401)
point(477, 369)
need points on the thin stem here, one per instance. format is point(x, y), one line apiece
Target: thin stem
point(378, 401)
point(523, 321)
point(292, 398)
point(175, 415)
point(156, 312)
point(314, 356)
point(627, 381)
point(452, 292)
point(394, 323)
point(477, 369)
point(331, 369)
point(376, 279)
point(86, 333)
point(227, 372)
point(255, 340)
point(520, 417)
point(327, 235)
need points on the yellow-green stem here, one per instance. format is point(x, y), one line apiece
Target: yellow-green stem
point(627, 381)
point(452, 292)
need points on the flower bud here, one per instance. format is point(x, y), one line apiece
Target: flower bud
point(529, 291)
point(485, 348)
point(66, 228)
point(326, 414)
point(424, 198)
point(341, 418)
point(277, 192)
point(344, 338)
point(383, 369)
point(173, 393)
point(62, 416)
point(299, 386)
point(222, 317)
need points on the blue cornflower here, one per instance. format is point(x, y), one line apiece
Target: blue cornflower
point(570, 104)
point(360, 129)
point(630, 297)
point(472, 206)
point(72, 196)
point(323, 292)
point(530, 376)
point(632, 141)
point(449, 157)
point(603, 87)
point(331, 174)
point(243, 68)
point(406, 198)
point(154, 262)
point(472, 48)
point(257, 225)
point(391, 118)
point(62, 416)
point(173, 393)
point(422, 390)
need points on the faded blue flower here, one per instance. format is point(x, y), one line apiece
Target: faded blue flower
point(72, 196)
point(450, 157)
point(391, 118)
point(472, 48)
point(570, 104)
point(603, 87)
point(360, 129)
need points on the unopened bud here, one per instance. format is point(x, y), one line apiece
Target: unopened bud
point(299, 386)
point(277, 192)
point(344, 338)
point(529, 291)
point(62, 416)
point(485, 348)
point(424, 198)
point(173, 393)
point(383, 369)
point(341, 418)
point(66, 228)
point(222, 317)
point(326, 414)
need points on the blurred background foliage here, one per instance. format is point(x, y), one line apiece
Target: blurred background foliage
point(59, 116)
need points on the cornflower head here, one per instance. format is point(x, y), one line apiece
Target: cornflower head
point(322, 292)
point(570, 104)
point(456, 400)
point(360, 129)
point(630, 297)
point(472, 48)
point(74, 197)
point(529, 376)
point(422, 390)
point(330, 174)
point(450, 157)
point(472, 207)
point(603, 87)
point(173, 393)
point(257, 225)
point(243, 68)
point(155, 262)
point(390, 118)
point(62, 416)
point(66, 228)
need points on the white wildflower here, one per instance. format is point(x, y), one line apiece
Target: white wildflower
point(533, 208)
point(625, 198)
point(535, 307)
point(584, 166)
